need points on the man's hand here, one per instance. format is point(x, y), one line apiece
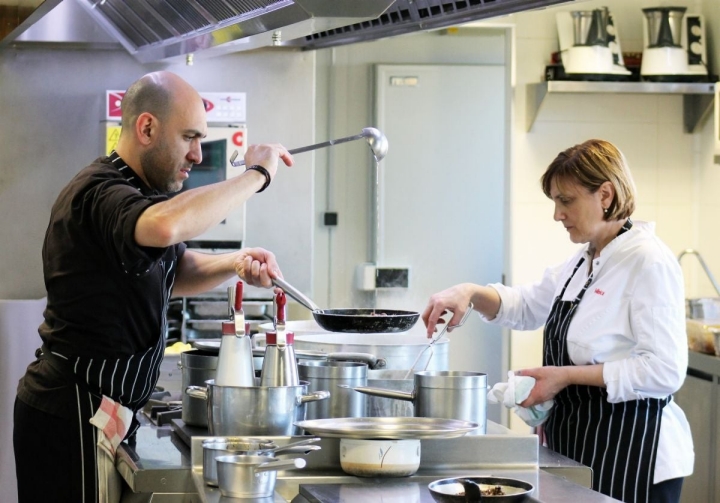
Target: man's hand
point(257, 267)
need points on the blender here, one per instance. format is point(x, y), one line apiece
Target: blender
point(589, 45)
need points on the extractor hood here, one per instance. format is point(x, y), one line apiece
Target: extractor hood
point(407, 16)
point(154, 30)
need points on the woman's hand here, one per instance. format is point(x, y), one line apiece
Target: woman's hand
point(257, 267)
point(455, 300)
point(549, 381)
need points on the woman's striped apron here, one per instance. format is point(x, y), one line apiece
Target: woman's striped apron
point(617, 440)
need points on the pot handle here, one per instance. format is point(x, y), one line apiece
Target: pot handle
point(372, 361)
point(298, 449)
point(313, 397)
point(386, 393)
point(285, 464)
point(197, 392)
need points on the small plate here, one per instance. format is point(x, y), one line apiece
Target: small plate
point(388, 428)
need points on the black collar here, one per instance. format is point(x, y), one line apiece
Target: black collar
point(129, 175)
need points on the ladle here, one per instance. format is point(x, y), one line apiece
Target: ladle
point(377, 141)
point(434, 339)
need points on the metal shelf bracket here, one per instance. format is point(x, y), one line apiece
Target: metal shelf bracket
point(698, 98)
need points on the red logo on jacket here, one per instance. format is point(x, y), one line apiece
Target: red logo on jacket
point(599, 292)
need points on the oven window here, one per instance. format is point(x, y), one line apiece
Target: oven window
point(213, 167)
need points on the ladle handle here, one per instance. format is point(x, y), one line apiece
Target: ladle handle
point(300, 150)
point(296, 294)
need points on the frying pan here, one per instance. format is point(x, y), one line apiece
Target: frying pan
point(467, 489)
point(364, 321)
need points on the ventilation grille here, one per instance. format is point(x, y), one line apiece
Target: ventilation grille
point(406, 16)
point(154, 22)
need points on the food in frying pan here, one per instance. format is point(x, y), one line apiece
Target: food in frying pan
point(493, 491)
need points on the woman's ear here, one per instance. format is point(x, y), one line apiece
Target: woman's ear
point(607, 194)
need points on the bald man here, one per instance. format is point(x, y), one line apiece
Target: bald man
point(113, 256)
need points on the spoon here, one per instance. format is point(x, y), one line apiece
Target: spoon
point(434, 339)
point(377, 141)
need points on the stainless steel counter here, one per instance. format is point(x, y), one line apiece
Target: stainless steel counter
point(162, 468)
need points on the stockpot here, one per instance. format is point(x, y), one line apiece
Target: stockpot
point(255, 410)
point(398, 350)
point(197, 366)
point(444, 394)
point(338, 377)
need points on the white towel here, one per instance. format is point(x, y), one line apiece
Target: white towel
point(112, 421)
point(512, 393)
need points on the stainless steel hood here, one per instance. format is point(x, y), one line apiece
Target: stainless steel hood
point(154, 30)
point(160, 29)
point(407, 16)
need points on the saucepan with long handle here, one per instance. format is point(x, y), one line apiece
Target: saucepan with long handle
point(365, 321)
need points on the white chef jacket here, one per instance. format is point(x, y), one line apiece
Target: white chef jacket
point(632, 319)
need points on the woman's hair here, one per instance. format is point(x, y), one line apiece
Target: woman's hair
point(591, 164)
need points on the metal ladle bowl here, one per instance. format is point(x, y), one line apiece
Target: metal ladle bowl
point(377, 141)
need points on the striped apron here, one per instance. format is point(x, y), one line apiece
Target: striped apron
point(617, 440)
point(128, 380)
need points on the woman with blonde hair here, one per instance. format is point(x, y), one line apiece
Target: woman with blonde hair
point(615, 346)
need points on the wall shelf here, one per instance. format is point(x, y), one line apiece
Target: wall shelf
point(697, 97)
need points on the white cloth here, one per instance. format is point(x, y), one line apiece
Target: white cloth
point(631, 319)
point(112, 421)
point(514, 392)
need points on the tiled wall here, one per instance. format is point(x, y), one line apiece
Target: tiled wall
point(666, 162)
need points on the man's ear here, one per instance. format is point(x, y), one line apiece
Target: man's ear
point(146, 128)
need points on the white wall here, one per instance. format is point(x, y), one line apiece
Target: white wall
point(665, 161)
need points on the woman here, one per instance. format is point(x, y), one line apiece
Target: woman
point(615, 347)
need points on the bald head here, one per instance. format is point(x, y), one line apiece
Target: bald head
point(155, 93)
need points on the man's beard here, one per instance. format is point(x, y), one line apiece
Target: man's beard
point(160, 175)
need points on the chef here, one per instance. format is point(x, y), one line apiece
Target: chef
point(112, 257)
point(615, 347)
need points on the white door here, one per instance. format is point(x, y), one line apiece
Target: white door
point(442, 191)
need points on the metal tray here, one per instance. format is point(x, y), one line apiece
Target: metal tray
point(387, 428)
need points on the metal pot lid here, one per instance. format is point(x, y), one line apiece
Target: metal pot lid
point(390, 428)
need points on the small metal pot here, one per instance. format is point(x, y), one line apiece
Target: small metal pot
point(251, 476)
point(253, 410)
point(225, 446)
point(444, 394)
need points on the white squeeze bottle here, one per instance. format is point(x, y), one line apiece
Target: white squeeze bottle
point(235, 361)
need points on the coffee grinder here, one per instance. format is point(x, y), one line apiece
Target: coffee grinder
point(675, 49)
point(589, 45)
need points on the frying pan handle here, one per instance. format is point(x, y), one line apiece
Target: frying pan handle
point(296, 294)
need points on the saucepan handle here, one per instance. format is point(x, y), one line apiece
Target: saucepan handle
point(285, 464)
point(386, 393)
point(197, 392)
point(313, 397)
